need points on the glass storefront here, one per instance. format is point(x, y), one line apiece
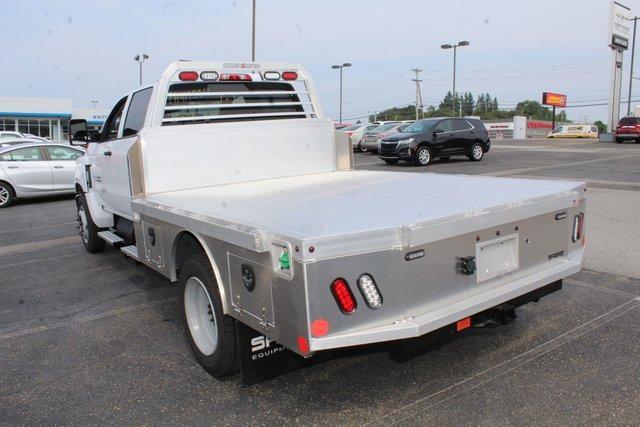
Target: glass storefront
point(45, 128)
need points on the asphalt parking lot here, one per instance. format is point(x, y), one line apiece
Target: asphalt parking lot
point(95, 339)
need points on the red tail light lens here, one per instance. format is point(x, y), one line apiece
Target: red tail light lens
point(235, 77)
point(290, 75)
point(344, 297)
point(188, 76)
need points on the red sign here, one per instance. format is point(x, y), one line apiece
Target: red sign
point(554, 99)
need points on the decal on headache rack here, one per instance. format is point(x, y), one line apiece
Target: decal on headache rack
point(249, 65)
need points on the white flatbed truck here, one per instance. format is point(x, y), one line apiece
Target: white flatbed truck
point(226, 178)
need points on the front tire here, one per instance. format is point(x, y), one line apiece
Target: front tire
point(6, 195)
point(211, 334)
point(476, 153)
point(422, 156)
point(88, 230)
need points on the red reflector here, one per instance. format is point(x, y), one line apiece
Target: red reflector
point(343, 295)
point(235, 77)
point(188, 76)
point(463, 324)
point(289, 75)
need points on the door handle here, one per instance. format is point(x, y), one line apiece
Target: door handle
point(12, 167)
point(58, 167)
point(107, 153)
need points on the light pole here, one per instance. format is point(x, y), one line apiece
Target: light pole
point(95, 103)
point(140, 59)
point(633, 50)
point(455, 47)
point(253, 32)
point(340, 67)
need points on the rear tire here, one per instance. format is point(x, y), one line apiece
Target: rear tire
point(391, 161)
point(422, 156)
point(211, 334)
point(6, 195)
point(476, 153)
point(88, 230)
point(619, 140)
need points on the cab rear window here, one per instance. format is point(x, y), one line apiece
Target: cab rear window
point(629, 121)
point(191, 103)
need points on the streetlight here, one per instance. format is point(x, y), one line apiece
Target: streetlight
point(95, 103)
point(253, 32)
point(633, 52)
point(455, 47)
point(140, 59)
point(340, 67)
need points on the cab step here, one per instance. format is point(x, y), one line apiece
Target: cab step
point(111, 238)
point(130, 251)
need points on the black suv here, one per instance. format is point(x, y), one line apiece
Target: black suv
point(441, 137)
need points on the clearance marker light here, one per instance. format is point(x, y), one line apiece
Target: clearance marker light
point(188, 76)
point(235, 77)
point(271, 75)
point(290, 75)
point(209, 76)
point(344, 297)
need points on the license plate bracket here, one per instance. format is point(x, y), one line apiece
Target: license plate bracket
point(497, 257)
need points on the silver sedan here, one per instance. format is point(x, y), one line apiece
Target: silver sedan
point(32, 170)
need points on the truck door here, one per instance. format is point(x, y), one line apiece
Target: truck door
point(120, 185)
point(101, 155)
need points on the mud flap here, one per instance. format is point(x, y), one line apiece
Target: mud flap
point(262, 359)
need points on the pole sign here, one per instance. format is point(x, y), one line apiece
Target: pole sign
point(554, 99)
point(619, 26)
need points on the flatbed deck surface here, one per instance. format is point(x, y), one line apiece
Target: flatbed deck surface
point(337, 203)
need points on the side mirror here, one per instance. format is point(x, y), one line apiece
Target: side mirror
point(78, 132)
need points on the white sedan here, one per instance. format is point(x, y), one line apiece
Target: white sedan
point(37, 169)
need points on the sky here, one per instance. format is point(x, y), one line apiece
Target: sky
point(84, 50)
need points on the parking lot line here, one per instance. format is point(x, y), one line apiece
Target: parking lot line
point(421, 405)
point(34, 246)
point(84, 319)
point(557, 165)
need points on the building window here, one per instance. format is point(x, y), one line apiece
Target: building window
point(23, 126)
point(7, 124)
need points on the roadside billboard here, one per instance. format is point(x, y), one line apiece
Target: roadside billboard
point(619, 26)
point(554, 99)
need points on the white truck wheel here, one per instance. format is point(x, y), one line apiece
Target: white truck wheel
point(211, 334)
point(88, 230)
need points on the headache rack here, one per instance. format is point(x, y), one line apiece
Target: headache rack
point(207, 102)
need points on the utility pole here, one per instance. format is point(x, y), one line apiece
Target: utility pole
point(633, 50)
point(253, 33)
point(418, 94)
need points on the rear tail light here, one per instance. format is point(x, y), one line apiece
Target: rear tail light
point(578, 228)
point(370, 291)
point(188, 76)
point(290, 75)
point(271, 75)
point(235, 77)
point(344, 297)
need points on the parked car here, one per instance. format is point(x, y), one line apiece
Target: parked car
point(10, 142)
point(370, 139)
point(356, 135)
point(628, 129)
point(574, 131)
point(36, 169)
point(441, 137)
point(6, 135)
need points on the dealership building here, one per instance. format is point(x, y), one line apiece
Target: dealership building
point(45, 117)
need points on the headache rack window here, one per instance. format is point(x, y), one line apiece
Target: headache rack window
point(191, 103)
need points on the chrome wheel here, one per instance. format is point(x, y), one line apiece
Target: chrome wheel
point(84, 224)
point(201, 317)
point(476, 152)
point(424, 156)
point(4, 195)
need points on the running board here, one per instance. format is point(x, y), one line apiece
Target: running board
point(111, 238)
point(130, 251)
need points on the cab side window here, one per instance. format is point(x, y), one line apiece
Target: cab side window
point(444, 126)
point(137, 112)
point(111, 126)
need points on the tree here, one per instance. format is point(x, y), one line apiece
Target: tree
point(602, 127)
point(467, 104)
